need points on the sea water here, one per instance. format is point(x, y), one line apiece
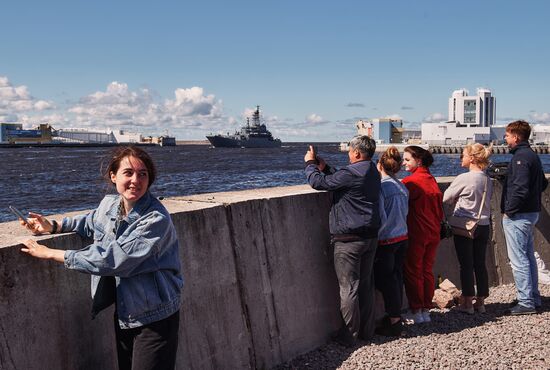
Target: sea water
point(56, 180)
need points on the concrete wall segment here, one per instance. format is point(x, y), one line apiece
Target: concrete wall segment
point(213, 329)
point(286, 272)
point(45, 314)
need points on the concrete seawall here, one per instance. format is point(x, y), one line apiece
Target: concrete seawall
point(259, 289)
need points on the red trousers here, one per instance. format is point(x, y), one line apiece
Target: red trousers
point(417, 273)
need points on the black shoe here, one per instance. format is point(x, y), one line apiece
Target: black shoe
point(521, 310)
point(390, 330)
point(515, 302)
point(344, 338)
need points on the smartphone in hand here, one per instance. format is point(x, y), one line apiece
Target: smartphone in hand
point(18, 214)
point(314, 150)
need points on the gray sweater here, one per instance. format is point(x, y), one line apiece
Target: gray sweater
point(466, 193)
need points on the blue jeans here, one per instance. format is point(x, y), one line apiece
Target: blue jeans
point(519, 231)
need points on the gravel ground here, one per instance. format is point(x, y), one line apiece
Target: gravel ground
point(453, 340)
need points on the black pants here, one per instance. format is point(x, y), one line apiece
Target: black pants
point(148, 347)
point(353, 264)
point(388, 275)
point(471, 255)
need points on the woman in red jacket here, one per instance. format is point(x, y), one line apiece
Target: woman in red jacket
point(423, 222)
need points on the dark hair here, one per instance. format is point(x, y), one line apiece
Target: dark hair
point(519, 128)
point(119, 153)
point(421, 155)
point(363, 144)
point(390, 160)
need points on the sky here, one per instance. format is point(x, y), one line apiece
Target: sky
point(190, 68)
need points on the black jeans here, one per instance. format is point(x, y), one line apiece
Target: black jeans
point(353, 262)
point(149, 347)
point(388, 275)
point(471, 255)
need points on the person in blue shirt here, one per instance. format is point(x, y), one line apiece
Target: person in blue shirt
point(134, 261)
point(392, 241)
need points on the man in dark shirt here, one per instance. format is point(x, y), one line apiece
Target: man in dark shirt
point(520, 205)
point(354, 221)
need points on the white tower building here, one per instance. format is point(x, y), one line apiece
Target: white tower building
point(472, 111)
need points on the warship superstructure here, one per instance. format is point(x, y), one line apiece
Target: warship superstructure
point(254, 135)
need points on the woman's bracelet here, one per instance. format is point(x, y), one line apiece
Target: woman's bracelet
point(54, 226)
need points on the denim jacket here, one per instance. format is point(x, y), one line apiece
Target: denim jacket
point(142, 255)
point(394, 207)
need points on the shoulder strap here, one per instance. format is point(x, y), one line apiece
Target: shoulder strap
point(483, 199)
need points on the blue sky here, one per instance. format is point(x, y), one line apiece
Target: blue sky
point(315, 67)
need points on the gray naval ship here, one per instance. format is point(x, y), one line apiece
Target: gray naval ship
point(253, 135)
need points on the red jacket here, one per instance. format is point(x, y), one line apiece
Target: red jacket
point(425, 205)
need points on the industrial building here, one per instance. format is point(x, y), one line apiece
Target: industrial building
point(382, 130)
point(540, 134)
point(77, 135)
point(471, 119)
point(472, 111)
point(13, 133)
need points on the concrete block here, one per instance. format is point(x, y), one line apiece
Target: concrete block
point(290, 287)
point(46, 314)
point(213, 331)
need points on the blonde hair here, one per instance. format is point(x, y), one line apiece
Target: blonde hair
point(390, 160)
point(480, 154)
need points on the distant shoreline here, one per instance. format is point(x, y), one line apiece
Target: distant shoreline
point(69, 145)
point(192, 142)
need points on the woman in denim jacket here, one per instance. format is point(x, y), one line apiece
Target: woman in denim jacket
point(134, 261)
point(392, 241)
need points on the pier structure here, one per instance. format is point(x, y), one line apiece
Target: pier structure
point(260, 287)
point(451, 149)
point(497, 149)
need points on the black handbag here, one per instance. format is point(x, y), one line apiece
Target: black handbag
point(465, 226)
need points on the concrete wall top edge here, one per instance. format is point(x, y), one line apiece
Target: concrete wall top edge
point(246, 195)
point(11, 233)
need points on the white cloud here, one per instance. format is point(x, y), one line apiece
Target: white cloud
point(16, 100)
point(57, 120)
point(190, 113)
point(394, 116)
point(119, 106)
point(315, 119)
point(540, 118)
point(192, 101)
point(435, 117)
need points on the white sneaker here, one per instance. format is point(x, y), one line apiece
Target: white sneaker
point(426, 316)
point(410, 318)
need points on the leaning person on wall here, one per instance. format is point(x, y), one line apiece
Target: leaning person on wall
point(134, 261)
point(521, 206)
point(470, 195)
point(392, 242)
point(354, 222)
